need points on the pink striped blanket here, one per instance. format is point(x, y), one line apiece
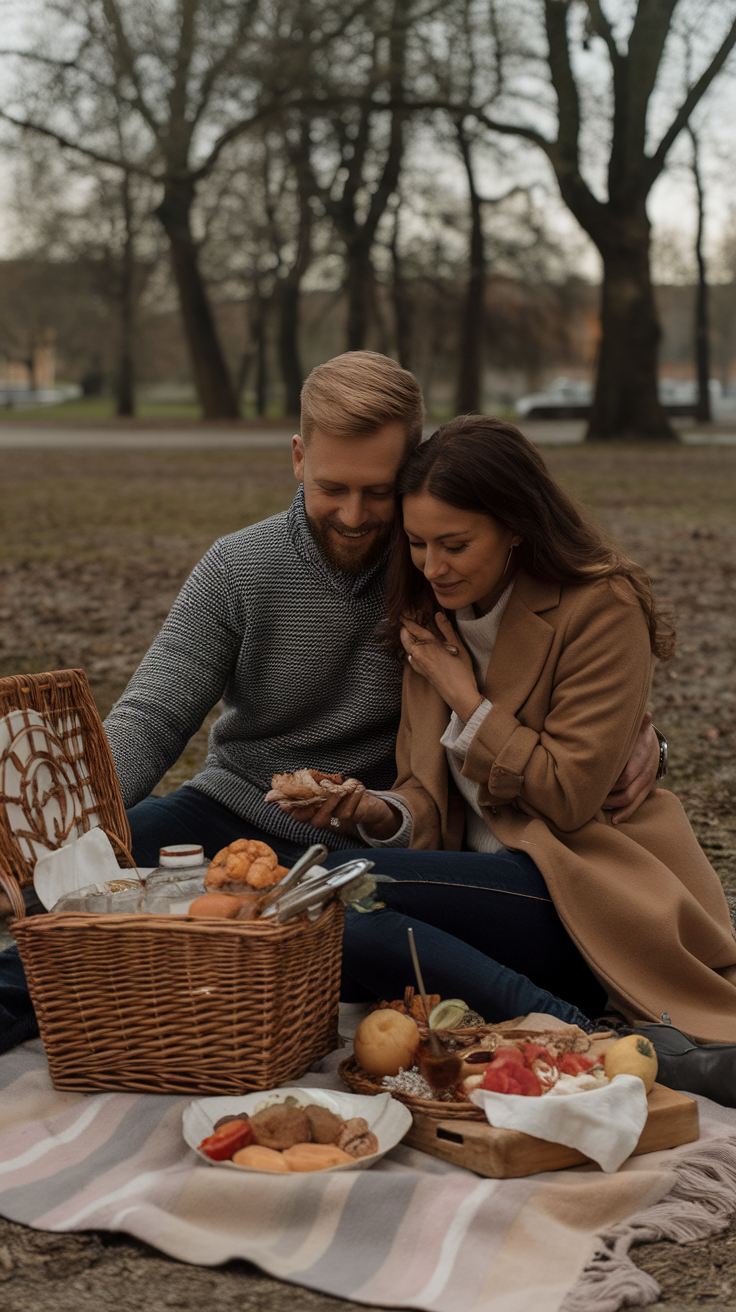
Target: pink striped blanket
point(412, 1232)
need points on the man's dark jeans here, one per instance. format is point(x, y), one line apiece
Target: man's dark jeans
point(486, 931)
point(486, 928)
point(188, 816)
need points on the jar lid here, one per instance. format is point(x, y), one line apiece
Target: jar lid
point(181, 854)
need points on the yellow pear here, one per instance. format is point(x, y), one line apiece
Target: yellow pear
point(386, 1040)
point(633, 1055)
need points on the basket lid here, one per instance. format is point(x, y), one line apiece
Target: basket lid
point(181, 854)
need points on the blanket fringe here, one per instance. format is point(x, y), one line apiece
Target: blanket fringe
point(700, 1203)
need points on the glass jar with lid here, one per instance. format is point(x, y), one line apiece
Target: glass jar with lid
point(177, 880)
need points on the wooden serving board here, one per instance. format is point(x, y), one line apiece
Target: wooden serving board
point(505, 1154)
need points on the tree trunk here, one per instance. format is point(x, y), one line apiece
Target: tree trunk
point(291, 368)
point(401, 300)
point(290, 306)
point(626, 402)
point(702, 317)
point(469, 383)
point(356, 287)
point(125, 388)
point(212, 380)
point(261, 345)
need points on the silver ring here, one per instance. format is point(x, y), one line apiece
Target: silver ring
point(454, 651)
point(334, 822)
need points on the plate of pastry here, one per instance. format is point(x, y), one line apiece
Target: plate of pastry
point(294, 1130)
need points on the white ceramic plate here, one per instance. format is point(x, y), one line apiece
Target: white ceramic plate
point(388, 1119)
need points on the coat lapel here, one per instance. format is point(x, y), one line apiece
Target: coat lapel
point(523, 643)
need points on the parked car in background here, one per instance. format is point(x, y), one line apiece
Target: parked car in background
point(17, 397)
point(571, 398)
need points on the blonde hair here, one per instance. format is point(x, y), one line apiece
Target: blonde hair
point(359, 392)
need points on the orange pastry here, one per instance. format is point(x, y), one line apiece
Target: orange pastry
point(261, 1159)
point(247, 862)
point(314, 1156)
point(216, 904)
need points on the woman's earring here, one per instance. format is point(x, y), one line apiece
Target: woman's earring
point(508, 560)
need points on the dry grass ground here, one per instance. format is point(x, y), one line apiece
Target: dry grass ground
point(94, 546)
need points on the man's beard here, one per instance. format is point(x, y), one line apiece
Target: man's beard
point(350, 560)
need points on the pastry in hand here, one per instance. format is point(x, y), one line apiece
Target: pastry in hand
point(246, 863)
point(303, 788)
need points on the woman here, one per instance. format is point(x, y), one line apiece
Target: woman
point(516, 722)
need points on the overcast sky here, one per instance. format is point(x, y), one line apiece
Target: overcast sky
point(672, 201)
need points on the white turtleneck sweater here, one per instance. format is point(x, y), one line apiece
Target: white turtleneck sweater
point(479, 636)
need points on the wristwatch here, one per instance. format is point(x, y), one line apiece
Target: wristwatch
point(662, 769)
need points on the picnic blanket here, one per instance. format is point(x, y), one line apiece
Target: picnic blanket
point(412, 1232)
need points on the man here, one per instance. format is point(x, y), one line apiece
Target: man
point(278, 621)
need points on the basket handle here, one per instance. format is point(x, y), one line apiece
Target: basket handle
point(10, 886)
point(122, 848)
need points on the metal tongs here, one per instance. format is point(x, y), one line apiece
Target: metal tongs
point(312, 857)
point(312, 895)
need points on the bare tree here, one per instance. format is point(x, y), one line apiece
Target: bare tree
point(192, 77)
point(88, 214)
point(365, 135)
point(702, 310)
point(549, 36)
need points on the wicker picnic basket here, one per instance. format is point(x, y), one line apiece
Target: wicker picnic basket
point(159, 1004)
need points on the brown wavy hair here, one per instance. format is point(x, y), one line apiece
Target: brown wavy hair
point(487, 466)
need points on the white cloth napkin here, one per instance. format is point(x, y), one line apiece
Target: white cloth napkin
point(88, 860)
point(604, 1124)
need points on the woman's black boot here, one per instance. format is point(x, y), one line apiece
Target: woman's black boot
point(705, 1068)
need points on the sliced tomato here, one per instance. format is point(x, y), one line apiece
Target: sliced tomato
point(535, 1052)
point(502, 1055)
point(221, 1145)
point(574, 1063)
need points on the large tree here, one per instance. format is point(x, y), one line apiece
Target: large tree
point(362, 143)
point(600, 89)
point(191, 77)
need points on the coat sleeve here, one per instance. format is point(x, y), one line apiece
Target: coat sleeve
point(426, 818)
point(599, 696)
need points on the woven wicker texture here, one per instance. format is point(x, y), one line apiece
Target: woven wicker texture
point(170, 1004)
point(483, 1036)
point(56, 773)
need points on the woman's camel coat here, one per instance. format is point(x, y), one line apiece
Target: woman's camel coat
point(569, 682)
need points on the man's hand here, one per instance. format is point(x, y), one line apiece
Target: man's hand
point(379, 819)
point(639, 779)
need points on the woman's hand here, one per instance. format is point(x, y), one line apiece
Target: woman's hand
point(378, 818)
point(452, 675)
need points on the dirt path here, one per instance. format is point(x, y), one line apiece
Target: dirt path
point(95, 545)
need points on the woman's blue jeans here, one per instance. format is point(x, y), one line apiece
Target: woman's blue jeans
point(486, 931)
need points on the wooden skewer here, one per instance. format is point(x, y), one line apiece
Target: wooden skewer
point(434, 1043)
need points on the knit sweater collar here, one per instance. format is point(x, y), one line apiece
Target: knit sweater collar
point(347, 585)
point(479, 633)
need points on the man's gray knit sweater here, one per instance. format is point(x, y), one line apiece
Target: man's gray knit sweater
point(288, 643)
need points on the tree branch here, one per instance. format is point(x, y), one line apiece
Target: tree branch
point(125, 61)
point(694, 95)
point(507, 129)
point(86, 151)
point(603, 29)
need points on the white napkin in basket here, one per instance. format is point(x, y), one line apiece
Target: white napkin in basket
point(88, 860)
point(604, 1124)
